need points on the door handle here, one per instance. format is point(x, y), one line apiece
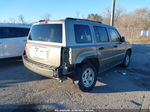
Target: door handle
point(101, 48)
point(115, 46)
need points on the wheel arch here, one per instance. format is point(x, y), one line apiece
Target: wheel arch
point(92, 60)
point(130, 51)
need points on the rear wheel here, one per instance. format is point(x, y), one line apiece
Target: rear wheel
point(86, 76)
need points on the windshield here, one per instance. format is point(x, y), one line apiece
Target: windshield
point(46, 33)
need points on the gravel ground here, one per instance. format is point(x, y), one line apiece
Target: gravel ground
point(24, 91)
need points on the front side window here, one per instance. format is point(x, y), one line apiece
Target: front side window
point(82, 34)
point(115, 37)
point(101, 34)
point(46, 33)
point(13, 32)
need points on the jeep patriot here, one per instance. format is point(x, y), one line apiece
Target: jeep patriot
point(76, 48)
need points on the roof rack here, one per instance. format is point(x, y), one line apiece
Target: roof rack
point(69, 18)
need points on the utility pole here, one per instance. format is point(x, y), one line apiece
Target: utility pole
point(113, 13)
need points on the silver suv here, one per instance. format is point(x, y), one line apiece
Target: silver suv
point(75, 48)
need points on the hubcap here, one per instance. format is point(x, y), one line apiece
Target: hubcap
point(88, 77)
point(127, 60)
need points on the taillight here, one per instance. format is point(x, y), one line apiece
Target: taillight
point(24, 53)
point(65, 52)
point(44, 22)
point(25, 44)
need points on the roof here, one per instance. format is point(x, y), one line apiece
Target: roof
point(91, 21)
point(81, 20)
point(76, 19)
point(15, 25)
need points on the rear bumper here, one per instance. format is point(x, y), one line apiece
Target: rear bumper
point(42, 69)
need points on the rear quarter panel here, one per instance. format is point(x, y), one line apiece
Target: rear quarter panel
point(78, 54)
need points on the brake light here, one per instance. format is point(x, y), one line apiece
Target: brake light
point(25, 44)
point(24, 53)
point(65, 52)
point(44, 22)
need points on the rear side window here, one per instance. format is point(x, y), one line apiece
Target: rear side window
point(101, 34)
point(82, 34)
point(114, 35)
point(13, 32)
point(46, 33)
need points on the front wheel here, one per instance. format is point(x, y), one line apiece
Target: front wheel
point(87, 76)
point(126, 60)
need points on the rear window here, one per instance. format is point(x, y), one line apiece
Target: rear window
point(13, 32)
point(46, 33)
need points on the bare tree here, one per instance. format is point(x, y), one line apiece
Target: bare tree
point(139, 18)
point(107, 16)
point(21, 19)
point(95, 17)
point(77, 14)
point(46, 17)
point(142, 18)
point(118, 15)
point(11, 20)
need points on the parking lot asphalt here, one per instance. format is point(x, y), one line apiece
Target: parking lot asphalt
point(24, 91)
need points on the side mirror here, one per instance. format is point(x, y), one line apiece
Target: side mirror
point(123, 39)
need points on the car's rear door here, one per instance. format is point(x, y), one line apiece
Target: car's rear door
point(14, 41)
point(104, 47)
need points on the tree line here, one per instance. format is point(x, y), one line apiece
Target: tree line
point(139, 18)
point(21, 19)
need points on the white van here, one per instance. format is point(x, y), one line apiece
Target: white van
point(12, 39)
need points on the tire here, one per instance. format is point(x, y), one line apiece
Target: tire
point(86, 77)
point(126, 60)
